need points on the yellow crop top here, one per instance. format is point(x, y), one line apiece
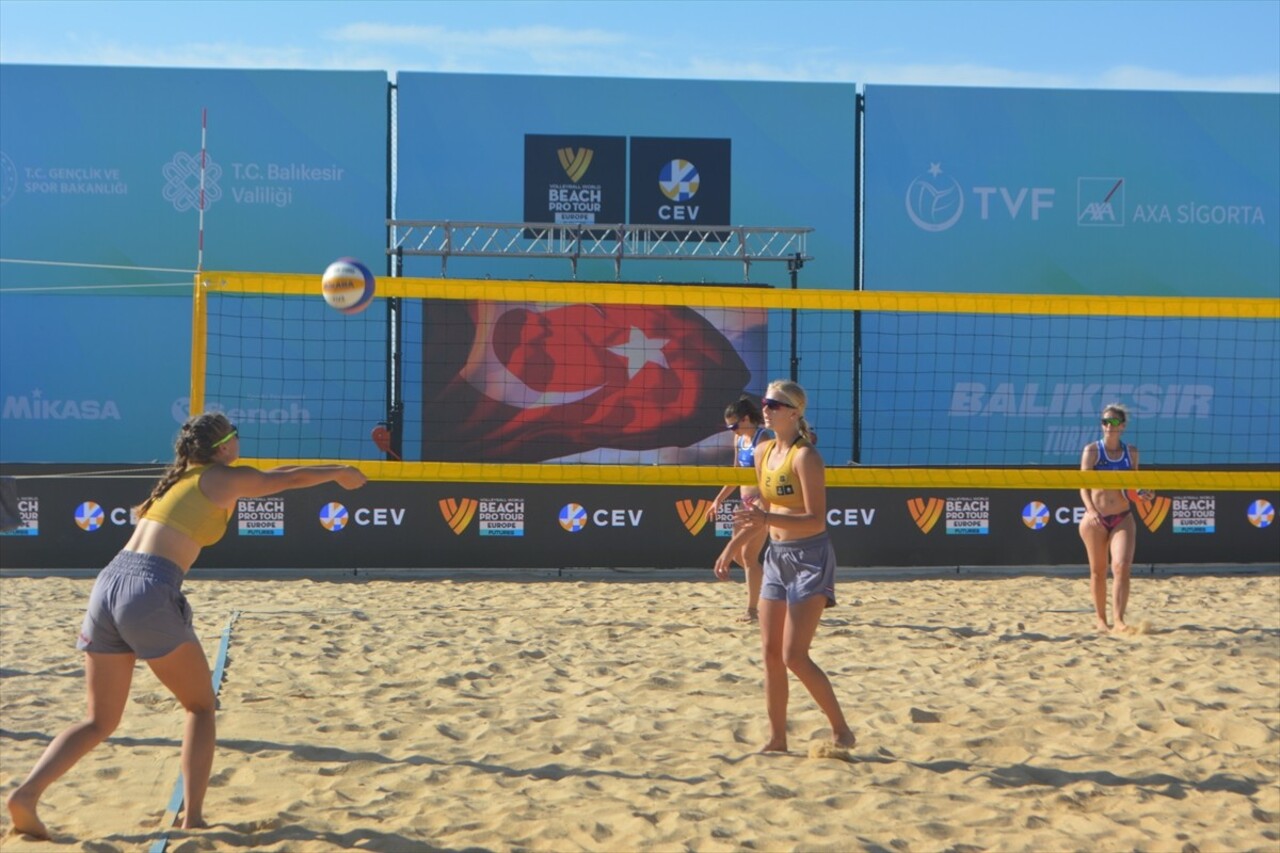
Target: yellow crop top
point(780, 486)
point(186, 509)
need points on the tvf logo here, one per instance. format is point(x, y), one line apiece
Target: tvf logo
point(694, 515)
point(458, 513)
point(1153, 512)
point(925, 512)
point(575, 162)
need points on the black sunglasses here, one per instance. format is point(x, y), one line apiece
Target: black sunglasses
point(771, 404)
point(733, 426)
point(1112, 421)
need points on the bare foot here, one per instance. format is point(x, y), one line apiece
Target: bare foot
point(25, 821)
point(775, 746)
point(752, 615)
point(197, 822)
point(1120, 628)
point(844, 739)
point(1101, 626)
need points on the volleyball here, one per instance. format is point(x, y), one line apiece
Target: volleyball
point(347, 286)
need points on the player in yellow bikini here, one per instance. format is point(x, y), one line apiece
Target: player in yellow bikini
point(137, 609)
point(799, 562)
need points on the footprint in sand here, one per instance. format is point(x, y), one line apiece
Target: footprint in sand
point(830, 750)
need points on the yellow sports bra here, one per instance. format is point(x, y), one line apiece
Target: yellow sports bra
point(186, 509)
point(780, 486)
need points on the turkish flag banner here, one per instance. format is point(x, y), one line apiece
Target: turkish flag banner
point(526, 382)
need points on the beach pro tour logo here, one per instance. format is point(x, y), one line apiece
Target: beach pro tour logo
point(1035, 515)
point(575, 162)
point(458, 513)
point(934, 203)
point(925, 512)
point(334, 516)
point(182, 182)
point(574, 180)
point(573, 517)
point(1153, 512)
point(1261, 514)
point(89, 516)
point(694, 515)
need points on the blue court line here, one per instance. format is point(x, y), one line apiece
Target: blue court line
point(175, 801)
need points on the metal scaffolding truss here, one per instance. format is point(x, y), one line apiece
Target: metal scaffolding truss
point(745, 245)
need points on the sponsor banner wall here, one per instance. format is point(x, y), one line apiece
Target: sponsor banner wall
point(609, 150)
point(81, 522)
point(102, 166)
point(1057, 191)
point(96, 377)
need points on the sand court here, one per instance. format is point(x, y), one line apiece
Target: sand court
point(402, 715)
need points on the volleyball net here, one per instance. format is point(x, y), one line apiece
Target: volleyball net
point(614, 383)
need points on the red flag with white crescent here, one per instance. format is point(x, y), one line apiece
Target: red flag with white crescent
point(527, 382)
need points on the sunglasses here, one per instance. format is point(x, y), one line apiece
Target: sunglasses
point(733, 426)
point(772, 404)
point(233, 434)
point(1112, 421)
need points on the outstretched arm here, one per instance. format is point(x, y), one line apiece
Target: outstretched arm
point(229, 483)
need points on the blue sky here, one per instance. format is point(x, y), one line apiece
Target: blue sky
point(1223, 45)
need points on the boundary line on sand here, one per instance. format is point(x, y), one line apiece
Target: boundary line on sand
point(175, 801)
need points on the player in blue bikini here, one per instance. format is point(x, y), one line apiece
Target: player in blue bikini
point(1108, 529)
point(744, 419)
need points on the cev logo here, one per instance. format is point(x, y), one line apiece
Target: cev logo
point(1035, 515)
point(1261, 513)
point(334, 516)
point(573, 517)
point(89, 516)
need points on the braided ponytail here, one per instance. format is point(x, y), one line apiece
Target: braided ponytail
point(194, 446)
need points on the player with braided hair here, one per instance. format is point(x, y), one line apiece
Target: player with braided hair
point(137, 609)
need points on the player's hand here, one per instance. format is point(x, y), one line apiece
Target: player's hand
point(351, 478)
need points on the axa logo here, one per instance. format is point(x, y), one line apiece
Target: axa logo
point(575, 161)
point(184, 186)
point(1100, 202)
point(1153, 512)
point(925, 512)
point(458, 513)
point(694, 515)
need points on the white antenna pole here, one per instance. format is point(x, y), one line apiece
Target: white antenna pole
point(204, 128)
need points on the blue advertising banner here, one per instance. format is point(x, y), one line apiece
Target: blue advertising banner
point(465, 143)
point(89, 377)
point(1043, 191)
point(103, 166)
point(103, 176)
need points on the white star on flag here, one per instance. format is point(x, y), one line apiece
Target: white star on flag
point(640, 350)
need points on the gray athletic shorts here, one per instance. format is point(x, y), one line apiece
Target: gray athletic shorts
point(137, 606)
point(796, 569)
